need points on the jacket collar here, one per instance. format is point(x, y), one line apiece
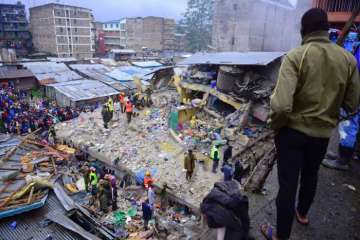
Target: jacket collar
point(319, 36)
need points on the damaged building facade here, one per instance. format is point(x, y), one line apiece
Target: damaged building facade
point(257, 25)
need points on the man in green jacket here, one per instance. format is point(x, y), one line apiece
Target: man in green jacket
point(315, 81)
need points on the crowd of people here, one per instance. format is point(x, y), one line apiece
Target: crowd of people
point(21, 113)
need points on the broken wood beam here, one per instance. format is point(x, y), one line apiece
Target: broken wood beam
point(261, 138)
point(30, 195)
point(257, 178)
point(348, 25)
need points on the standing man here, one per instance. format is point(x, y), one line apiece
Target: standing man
point(106, 115)
point(227, 153)
point(214, 155)
point(147, 213)
point(122, 101)
point(129, 110)
point(151, 196)
point(315, 81)
point(189, 164)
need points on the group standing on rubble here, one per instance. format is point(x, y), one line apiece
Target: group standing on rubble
point(126, 106)
point(101, 183)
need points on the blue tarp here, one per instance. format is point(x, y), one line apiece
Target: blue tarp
point(348, 130)
point(139, 175)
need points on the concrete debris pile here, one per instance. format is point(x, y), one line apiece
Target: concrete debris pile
point(143, 144)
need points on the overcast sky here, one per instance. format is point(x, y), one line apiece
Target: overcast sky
point(105, 10)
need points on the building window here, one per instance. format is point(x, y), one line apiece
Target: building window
point(61, 30)
point(117, 25)
point(75, 21)
point(111, 25)
point(76, 30)
point(235, 6)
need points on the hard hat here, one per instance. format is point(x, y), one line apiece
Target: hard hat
point(148, 174)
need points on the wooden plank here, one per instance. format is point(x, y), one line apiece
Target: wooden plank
point(348, 25)
point(206, 89)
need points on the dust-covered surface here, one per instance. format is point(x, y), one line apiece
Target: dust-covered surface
point(143, 144)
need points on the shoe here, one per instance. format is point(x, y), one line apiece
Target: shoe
point(335, 164)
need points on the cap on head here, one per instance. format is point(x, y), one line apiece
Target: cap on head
point(315, 19)
point(148, 174)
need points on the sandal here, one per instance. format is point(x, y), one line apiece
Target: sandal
point(267, 231)
point(301, 220)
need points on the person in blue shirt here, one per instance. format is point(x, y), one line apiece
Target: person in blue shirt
point(228, 171)
point(147, 213)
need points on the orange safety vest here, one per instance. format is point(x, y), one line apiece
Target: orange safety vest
point(129, 107)
point(148, 181)
point(122, 98)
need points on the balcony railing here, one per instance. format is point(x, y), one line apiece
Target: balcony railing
point(337, 5)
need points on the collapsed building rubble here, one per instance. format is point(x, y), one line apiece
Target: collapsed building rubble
point(214, 104)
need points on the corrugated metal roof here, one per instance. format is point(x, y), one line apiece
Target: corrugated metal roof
point(147, 64)
point(84, 89)
point(81, 67)
point(128, 73)
point(55, 59)
point(31, 225)
point(233, 58)
point(52, 70)
point(6, 73)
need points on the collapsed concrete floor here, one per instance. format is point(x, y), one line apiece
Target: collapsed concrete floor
point(145, 143)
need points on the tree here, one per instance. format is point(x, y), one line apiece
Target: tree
point(197, 24)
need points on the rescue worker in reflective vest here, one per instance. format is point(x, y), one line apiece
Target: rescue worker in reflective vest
point(214, 155)
point(110, 104)
point(122, 102)
point(93, 179)
point(148, 180)
point(129, 110)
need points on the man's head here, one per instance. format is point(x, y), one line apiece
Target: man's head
point(315, 19)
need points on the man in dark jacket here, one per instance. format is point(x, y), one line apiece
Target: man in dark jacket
point(315, 80)
point(147, 213)
point(228, 171)
point(106, 115)
point(225, 207)
point(189, 164)
point(227, 154)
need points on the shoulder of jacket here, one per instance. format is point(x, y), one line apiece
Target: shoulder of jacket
point(296, 53)
point(347, 55)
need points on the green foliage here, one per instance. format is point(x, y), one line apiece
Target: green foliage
point(197, 24)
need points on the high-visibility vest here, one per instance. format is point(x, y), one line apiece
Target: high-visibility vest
point(111, 105)
point(213, 150)
point(129, 107)
point(93, 178)
point(122, 98)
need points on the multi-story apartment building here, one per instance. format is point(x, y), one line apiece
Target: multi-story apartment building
point(153, 33)
point(63, 30)
point(14, 28)
point(115, 34)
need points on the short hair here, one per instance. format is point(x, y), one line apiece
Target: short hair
point(315, 19)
